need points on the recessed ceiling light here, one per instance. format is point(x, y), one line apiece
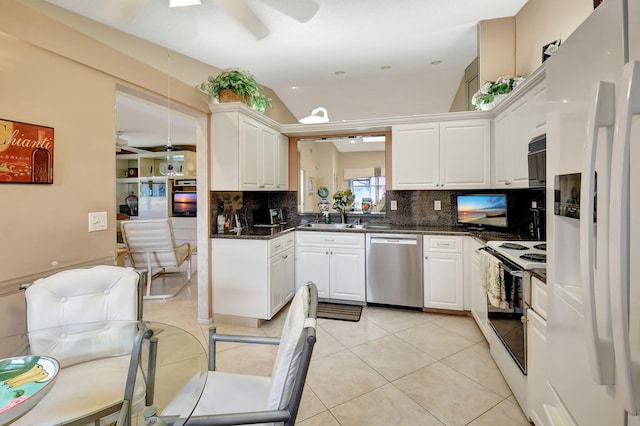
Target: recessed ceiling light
point(294, 87)
point(339, 72)
point(436, 62)
point(385, 67)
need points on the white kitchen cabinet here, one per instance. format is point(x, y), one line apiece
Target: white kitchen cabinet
point(537, 352)
point(281, 276)
point(478, 294)
point(443, 272)
point(415, 156)
point(448, 155)
point(511, 138)
point(252, 278)
point(282, 177)
point(334, 261)
point(247, 153)
point(514, 127)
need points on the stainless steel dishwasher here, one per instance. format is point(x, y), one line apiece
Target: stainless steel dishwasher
point(394, 269)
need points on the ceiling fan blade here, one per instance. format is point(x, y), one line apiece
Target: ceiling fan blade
point(243, 14)
point(300, 10)
point(122, 10)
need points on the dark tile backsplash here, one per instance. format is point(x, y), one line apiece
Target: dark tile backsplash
point(415, 208)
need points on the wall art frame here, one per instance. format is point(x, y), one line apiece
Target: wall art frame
point(26, 152)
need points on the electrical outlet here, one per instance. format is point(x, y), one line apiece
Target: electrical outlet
point(97, 221)
point(534, 204)
point(437, 205)
point(394, 204)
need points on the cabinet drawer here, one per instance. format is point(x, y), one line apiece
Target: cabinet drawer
point(333, 239)
point(539, 297)
point(442, 244)
point(281, 243)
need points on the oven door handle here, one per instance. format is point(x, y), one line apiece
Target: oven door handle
point(513, 272)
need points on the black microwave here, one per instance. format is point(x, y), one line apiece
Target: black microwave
point(184, 203)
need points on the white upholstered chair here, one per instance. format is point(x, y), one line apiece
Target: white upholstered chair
point(86, 296)
point(151, 244)
point(232, 399)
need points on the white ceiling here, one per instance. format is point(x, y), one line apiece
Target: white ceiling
point(356, 37)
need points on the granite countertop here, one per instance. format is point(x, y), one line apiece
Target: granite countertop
point(254, 233)
point(269, 233)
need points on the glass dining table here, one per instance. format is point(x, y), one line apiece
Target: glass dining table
point(122, 372)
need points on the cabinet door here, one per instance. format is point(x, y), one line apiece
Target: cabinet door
point(347, 274)
point(443, 283)
point(282, 182)
point(539, 109)
point(288, 280)
point(312, 264)
point(267, 166)
point(536, 365)
point(277, 266)
point(250, 154)
point(465, 148)
point(520, 123)
point(478, 296)
point(415, 156)
point(501, 151)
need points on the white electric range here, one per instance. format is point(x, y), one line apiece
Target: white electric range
point(526, 254)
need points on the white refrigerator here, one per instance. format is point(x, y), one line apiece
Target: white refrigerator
point(593, 273)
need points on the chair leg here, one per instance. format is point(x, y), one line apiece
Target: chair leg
point(149, 274)
point(189, 268)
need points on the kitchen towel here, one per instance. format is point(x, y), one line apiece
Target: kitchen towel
point(493, 280)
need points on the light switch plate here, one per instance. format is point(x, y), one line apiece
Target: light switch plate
point(394, 204)
point(437, 205)
point(97, 221)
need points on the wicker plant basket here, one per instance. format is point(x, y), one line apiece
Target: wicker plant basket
point(227, 95)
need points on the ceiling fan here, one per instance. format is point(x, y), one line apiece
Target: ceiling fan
point(300, 10)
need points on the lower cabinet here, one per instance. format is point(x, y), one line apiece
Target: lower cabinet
point(536, 352)
point(443, 272)
point(334, 261)
point(252, 278)
point(478, 295)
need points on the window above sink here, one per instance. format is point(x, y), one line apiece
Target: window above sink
point(338, 163)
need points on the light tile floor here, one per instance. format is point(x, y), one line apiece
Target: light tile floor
point(392, 367)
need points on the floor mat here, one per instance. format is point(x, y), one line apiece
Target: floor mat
point(339, 312)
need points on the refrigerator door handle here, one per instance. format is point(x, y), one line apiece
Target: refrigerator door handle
point(627, 380)
point(599, 346)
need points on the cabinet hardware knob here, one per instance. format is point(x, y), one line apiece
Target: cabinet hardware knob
point(426, 257)
point(507, 183)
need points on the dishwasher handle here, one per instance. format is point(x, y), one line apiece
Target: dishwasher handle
point(407, 241)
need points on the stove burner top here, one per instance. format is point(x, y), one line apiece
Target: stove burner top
point(542, 246)
point(534, 257)
point(513, 246)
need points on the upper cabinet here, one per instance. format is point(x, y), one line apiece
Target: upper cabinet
point(246, 154)
point(514, 126)
point(441, 155)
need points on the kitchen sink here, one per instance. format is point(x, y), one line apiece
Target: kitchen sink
point(328, 225)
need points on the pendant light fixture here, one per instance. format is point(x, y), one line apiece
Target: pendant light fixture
point(169, 146)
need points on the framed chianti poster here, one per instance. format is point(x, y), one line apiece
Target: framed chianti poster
point(26, 153)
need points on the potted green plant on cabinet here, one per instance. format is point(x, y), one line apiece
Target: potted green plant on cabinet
point(233, 85)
